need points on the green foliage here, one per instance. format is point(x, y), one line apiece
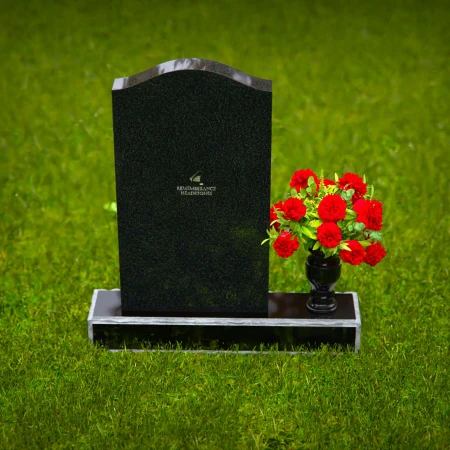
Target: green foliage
point(375, 235)
point(347, 195)
point(315, 223)
point(296, 228)
point(309, 233)
point(303, 193)
point(359, 87)
point(112, 207)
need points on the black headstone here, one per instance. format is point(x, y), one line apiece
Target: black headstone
point(192, 142)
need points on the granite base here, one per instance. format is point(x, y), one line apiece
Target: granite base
point(289, 327)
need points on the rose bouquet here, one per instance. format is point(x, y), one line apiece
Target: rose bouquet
point(337, 218)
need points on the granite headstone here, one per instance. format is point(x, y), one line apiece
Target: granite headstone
point(192, 141)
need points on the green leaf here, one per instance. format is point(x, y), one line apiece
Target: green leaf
point(348, 217)
point(308, 190)
point(264, 241)
point(294, 192)
point(308, 233)
point(376, 235)
point(336, 177)
point(364, 178)
point(273, 233)
point(313, 187)
point(350, 227)
point(112, 207)
point(316, 246)
point(365, 243)
point(359, 226)
point(296, 227)
point(344, 246)
point(310, 180)
point(331, 189)
point(350, 192)
point(315, 223)
point(351, 212)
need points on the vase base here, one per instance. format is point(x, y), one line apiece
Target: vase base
point(320, 308)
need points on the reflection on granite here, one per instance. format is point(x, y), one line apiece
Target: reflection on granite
point(196, 64)
point(192, 145)
point(293, 305)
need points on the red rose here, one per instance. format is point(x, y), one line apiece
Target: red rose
point(294, 209)
point(332, 208)
point(329, 234)
point(273, 214)
point(285, 244)
point(300, 179)
point(375, 215)
point(370, 213)
point(355, 256)
point(327, 182)
point(374, 254)
point(361, 209)
point(353, 181)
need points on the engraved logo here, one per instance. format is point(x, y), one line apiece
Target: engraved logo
point(196, 178)
point(196, 187)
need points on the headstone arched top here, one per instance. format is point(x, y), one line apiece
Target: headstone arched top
point(198, 64)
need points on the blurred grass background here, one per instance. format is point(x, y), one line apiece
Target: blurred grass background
point(358, 86)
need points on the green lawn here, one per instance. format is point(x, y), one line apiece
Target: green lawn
point(358, 86)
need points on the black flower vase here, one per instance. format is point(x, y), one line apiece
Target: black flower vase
point(322, 273)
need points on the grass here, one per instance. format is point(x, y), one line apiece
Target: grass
point(358, 86)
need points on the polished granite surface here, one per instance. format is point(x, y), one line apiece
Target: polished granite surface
point(192, 156)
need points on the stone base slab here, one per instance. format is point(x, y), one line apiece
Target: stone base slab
point(288, 326)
